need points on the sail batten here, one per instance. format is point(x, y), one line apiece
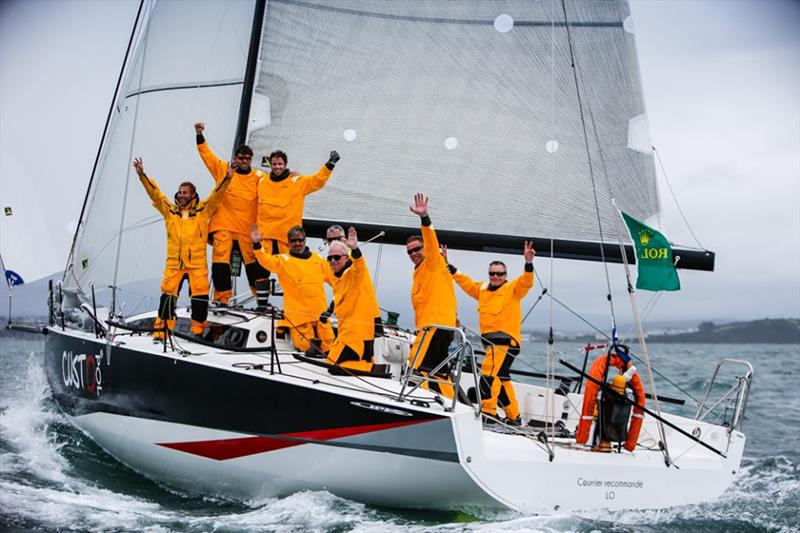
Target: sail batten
point(185, 85)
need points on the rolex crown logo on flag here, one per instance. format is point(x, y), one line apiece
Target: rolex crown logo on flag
point(656, 266)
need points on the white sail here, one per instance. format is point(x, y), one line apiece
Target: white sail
point(476, 104)
point(473, 103)
point(188, 66)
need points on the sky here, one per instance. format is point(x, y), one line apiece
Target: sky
point(721, 82)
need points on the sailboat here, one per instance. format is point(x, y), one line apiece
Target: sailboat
point(523, 119)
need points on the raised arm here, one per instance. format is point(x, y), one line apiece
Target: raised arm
point(314, 182)
point(467, 284)
point(273, 263)
point(525, 281)
point(430, 242)
point(160, 201)
point(216, 166)
point(217, 194)
point(470, 286)
point(359, 265)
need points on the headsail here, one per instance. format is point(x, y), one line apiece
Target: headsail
point(188, 65)
point(474, 103)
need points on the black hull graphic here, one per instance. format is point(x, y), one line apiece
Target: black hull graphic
point(88, 376)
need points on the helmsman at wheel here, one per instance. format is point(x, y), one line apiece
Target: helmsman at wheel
point(434, 299)
point(500, 317)
point(230, 225)
point(186, 221)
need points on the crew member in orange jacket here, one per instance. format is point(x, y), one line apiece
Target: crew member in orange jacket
point(355, 303)
point(619, 358)
point(500, 316)
point(434, 299)
point(301, 273)
point(230, 225)
point(186, 221)
point(281, 198)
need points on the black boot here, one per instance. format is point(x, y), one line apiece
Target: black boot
point(315, 350)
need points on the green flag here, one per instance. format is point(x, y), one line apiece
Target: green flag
point(653, 256)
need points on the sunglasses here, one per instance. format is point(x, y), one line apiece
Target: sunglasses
point(413, 250)
point(331, 239)
point(497, 274)
point(299, 239)
point(334, 257)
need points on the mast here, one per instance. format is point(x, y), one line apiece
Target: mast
point(250, 73)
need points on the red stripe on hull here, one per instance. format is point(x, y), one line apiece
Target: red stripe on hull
point(222, 449)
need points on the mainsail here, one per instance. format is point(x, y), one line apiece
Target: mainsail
point(474, 103)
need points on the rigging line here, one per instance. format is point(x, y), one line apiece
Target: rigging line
point(377, 276)
point(126, 173)
point(550, 357)
point(141, 250)
point(589, 160)
point(539, 299)
point(208, 55)
point(675, 198)
point(551, 362)
point(102, 139)
point(648, 308)
point(631, 291)
point(607, 337)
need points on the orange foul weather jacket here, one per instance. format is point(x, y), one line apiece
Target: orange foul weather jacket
point(187, 228)
point(280, 203)
point(499, 310)
point(238, 208)
point(355, 303)
point(432, 292)
point(301, 279)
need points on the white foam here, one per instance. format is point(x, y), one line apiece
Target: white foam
point(24, 424)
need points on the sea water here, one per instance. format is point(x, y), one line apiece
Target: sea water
point(53, 477)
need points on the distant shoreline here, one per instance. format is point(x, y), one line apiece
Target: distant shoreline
point(763, 331)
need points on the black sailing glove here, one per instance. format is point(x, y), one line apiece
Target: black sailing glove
point(334, 158)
